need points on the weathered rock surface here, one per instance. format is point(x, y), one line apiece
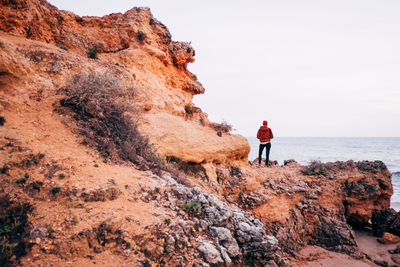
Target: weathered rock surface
point(386, 220)
point(106, 213)
point(320, 209)
point(389, 238)
point(42, 47)
point(237, 234)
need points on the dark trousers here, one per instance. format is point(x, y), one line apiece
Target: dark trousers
point(260, 150)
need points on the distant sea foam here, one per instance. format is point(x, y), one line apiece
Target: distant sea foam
point(324, 149)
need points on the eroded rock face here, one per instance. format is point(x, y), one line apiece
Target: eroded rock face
point(366, 191)
point(237, 235)
point(182, 53)
point(323, 209)
point(387, 220)
point(43, 47)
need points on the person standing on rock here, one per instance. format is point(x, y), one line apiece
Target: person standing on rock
point(265, 135)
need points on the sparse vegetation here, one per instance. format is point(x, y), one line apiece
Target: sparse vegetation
point(126, 244)
point(141, 36)
point(92, 52)
point(167, 221)
point(104, 121)
point(222, 127)
point(14, 229)
point(4, 169)
point(2, 120)
point(235, 172)
point(50, 231)
point(189, 110)
point(192, 207)
point(96, 165)
point(316, 168)
point(35, 159)
point(289, 161)
point(62, 47)
point(61, 176)
point(190, 168)
point(55, 190)
point(21, 181)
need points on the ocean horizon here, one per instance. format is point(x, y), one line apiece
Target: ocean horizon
point(330, 149)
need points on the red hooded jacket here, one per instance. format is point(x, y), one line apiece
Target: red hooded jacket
point(265, 134)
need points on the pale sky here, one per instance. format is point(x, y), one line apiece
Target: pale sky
point(311, 67)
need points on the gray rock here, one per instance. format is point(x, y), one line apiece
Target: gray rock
point(126, 252)
point(225, 239)
point(225, 256)
point(237, 233)
point(222, 233)
point(170, 244)
point(187, 226)
point(181, 191)
point(210, 253)
point(145, 197)
point(40, 232)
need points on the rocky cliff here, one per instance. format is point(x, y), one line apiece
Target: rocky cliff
point(134, 49)
point(105, 160)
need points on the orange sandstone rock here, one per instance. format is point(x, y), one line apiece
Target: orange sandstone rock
point(135, 50)
point(389, 238)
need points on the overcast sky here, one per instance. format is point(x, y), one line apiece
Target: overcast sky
point(311, 67)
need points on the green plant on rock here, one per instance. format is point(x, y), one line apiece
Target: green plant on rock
point(192, 207)
point(92, 52)
point(35, 160)
point(141, 36)
point(55, 190)
point(21, 181)
point(14, 229)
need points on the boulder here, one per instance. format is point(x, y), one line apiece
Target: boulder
point(210, 253)
point(387, 220)
point(389, 238)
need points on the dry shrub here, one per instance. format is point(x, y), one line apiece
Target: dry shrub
point(92, 53)
point(222, 127)
point(141, 36)
point(14, 229)
point(189, 168)
point(189, 110)
point(316, 168)
point(103, 120)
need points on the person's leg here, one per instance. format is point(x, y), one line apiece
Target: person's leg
point(260, 150)
point(267, 149)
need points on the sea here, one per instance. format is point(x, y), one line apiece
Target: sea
point(328, 149)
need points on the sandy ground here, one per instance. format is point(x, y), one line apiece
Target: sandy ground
point(377, 251)
point(316, 256)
